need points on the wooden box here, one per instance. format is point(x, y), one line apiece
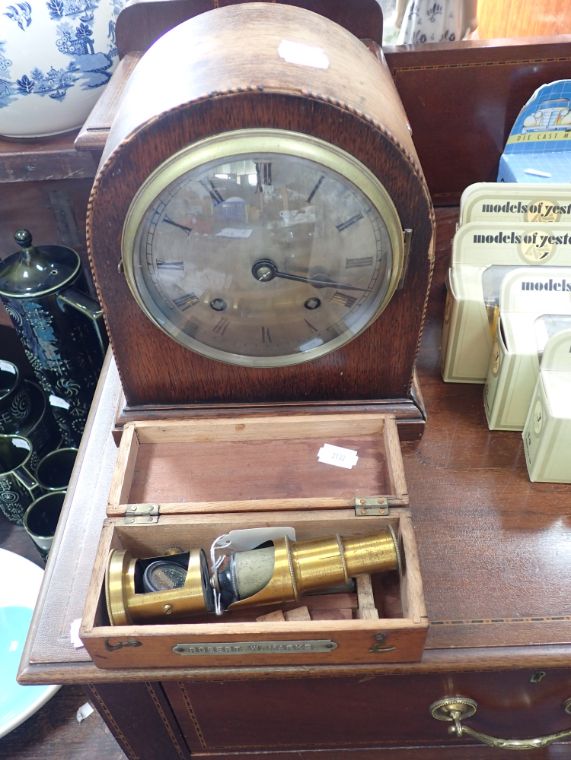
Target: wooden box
point(185, 482)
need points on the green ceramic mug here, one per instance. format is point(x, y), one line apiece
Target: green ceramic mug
point(40, 428)
point(41, 520)
point(18, 486)
point(15, 400)
point(54, 470)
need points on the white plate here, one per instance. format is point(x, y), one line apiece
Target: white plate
point(19, 588)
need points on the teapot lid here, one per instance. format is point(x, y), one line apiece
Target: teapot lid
point(36, 270)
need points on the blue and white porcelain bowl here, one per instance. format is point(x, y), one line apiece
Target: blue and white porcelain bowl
point(55, 58)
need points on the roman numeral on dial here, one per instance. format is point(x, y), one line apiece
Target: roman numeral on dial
point(213, 192)
point(169, 265)
point(186, 301)
point(221, 326)
point(349, 222)
point(343, 298)
point(263, 174)
point(315, 188)
point(363, 261)
point(178, 225)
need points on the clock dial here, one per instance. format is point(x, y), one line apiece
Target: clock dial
point(262, 248)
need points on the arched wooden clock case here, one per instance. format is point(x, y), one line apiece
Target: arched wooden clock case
point(226, 71)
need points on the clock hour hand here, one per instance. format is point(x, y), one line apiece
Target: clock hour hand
point(265, 270)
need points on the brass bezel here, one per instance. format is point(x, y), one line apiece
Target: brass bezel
point(233, 146)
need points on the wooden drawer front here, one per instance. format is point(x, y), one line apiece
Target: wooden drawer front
point(362, 712)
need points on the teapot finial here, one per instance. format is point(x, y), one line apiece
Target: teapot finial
point(23, 238)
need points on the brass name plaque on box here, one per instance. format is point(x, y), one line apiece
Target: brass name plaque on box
point(256, 647)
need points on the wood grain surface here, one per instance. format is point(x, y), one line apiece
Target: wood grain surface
point(53, 733)
point(137, 27)
point(462, 99)
point(160, 462)
point(46, 159)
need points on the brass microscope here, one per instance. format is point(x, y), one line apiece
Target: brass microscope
point(182, 584)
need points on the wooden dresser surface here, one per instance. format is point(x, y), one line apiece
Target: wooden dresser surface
point(495, 549)
point(495, 556)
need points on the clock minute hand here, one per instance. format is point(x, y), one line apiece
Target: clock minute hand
point(319, 283)
point(265, 270)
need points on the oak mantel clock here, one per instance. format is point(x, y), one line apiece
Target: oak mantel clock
point(259, 229)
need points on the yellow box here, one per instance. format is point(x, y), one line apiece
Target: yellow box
point(547, 430)
point(516, 202)
point(535, 303)
point(468, 327)
point(482, 255)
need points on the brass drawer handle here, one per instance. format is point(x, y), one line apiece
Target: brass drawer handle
point(456, 709)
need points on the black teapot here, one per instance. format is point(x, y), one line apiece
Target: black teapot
point(59, 325)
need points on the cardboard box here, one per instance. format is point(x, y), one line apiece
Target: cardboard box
point(272, 477)
point(482, 255)
point(526, 202)
point(547, 430)
point(534, 304)
point(537, 149)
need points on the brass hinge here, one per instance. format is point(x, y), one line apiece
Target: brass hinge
point(113, 647)
point(142, 514)
point(371, 506)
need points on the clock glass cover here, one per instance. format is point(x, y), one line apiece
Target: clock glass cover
point(262, 248)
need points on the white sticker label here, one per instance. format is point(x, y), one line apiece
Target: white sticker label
point(74, 633)
point(84, 712)
point(234, 232)
point(248, 538)
point(303, 55)
point(337, 456)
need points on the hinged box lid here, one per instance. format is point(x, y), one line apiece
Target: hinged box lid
point(258, 463)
